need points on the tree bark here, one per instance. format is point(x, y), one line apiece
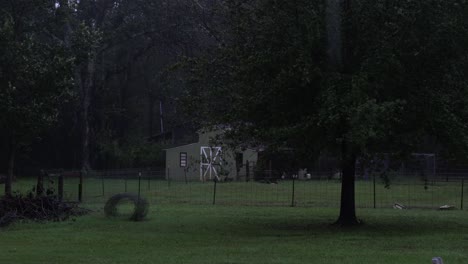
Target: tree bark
point(83, 73)
point(339, 60)
point(348, 206)
point(86, 102)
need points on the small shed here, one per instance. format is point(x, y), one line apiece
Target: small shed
point(205, 161)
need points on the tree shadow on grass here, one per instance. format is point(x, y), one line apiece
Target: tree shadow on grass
point(389, 225)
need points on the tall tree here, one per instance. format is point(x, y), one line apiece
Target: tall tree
point(35, 75)
point(384, 82)
point(121, 50)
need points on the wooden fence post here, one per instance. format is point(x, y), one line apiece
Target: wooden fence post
point(80, 188)
point(60, 187)
point(214, 191)
point(40, 184)
point(247, 171)
point(462, 188)
point(270, 172)
point(293, 203)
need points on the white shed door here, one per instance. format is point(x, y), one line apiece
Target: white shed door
point(210, 159)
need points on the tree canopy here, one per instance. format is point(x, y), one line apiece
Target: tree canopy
point(93, 69)
point(35, 75)
point(401, 85)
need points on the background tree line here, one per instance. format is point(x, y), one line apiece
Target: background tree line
point(82, 81)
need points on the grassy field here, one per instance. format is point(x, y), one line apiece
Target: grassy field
point(241, 234)
point(184, 226)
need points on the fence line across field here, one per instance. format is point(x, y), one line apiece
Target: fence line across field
point(318, 190)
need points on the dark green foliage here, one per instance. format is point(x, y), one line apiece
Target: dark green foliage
point(263, 79)
point(412, 51)
point(36, 79)
point(35, 73)
point(71, 71)
point(403, 87)
point(133, 154)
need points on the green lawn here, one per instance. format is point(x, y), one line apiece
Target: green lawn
point(242, 234)
point(250, 223)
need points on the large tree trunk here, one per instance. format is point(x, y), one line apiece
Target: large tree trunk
point(83, 74)
point(86, 102)
point(339, 60)
point(348, 207)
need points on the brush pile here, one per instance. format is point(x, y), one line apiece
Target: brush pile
point(36, 208)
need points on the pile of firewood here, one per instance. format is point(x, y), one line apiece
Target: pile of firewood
point(36, 208)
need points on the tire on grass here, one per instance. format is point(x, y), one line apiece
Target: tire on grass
point(140, 209)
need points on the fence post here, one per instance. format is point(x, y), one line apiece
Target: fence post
point(80, 188)
point(150, 175)
point(125, 182)
point(214, 191)
point(269, 172)
point(462, 188)
point(293, 191)
point(185, 175)
point(139, 186)
point(149, 181)
point(247, 171)
point(60, 188)
point(102, 183)
point(40, 184)
point(168, 178)
point(373, 181)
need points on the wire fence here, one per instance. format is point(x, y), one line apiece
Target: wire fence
point(314, 190)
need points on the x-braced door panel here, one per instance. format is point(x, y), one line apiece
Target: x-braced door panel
point(210, 162)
